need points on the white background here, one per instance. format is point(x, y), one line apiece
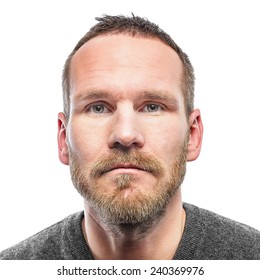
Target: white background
point(222, 40)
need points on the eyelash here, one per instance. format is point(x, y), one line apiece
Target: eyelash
point(162, 108)
point(90, 108)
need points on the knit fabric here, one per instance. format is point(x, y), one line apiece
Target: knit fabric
point(207, 236)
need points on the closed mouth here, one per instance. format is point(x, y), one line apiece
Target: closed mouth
point(125, 166)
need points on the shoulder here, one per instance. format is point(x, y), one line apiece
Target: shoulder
point(47, 244)
point(223, 238)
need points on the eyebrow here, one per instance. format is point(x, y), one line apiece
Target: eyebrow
point(94, 94)
point(163, 96)
point(159, 95)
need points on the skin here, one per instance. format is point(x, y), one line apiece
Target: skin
point(118, 77)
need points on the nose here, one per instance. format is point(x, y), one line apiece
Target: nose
point(126, 129)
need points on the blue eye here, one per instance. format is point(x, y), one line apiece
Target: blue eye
point(98, 109)
point(152, 108)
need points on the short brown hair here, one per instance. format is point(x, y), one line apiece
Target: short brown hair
point(135, 26)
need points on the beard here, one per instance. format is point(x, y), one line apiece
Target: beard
point(121, 202)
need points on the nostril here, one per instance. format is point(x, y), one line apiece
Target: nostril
point(126, 143)
point(123, 146)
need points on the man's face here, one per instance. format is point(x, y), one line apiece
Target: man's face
point(127, 131)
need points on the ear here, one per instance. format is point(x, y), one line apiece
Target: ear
point(62, 139)
point(196, 134)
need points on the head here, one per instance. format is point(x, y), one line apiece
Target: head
point(128, 125)
point(137, 27)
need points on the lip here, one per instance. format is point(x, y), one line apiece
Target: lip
point(125, 168)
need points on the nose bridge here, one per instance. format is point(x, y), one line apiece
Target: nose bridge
point(126, 128)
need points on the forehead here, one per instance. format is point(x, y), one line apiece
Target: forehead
point(123, 63)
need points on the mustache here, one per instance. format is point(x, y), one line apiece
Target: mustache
point(140, 160)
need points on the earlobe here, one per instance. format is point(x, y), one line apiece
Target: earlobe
point(196, 134)
point(62, 139)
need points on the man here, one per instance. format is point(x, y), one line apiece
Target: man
point(127, 130)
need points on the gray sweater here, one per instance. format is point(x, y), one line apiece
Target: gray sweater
point(207, 236)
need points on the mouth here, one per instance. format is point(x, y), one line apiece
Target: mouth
point(124, 168)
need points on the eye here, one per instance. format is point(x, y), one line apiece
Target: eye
point(151, 108)
point(98, 109)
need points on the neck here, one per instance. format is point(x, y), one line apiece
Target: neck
point(160, 241)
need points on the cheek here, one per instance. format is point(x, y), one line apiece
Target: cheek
point(86, 140)
point(166, 142)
